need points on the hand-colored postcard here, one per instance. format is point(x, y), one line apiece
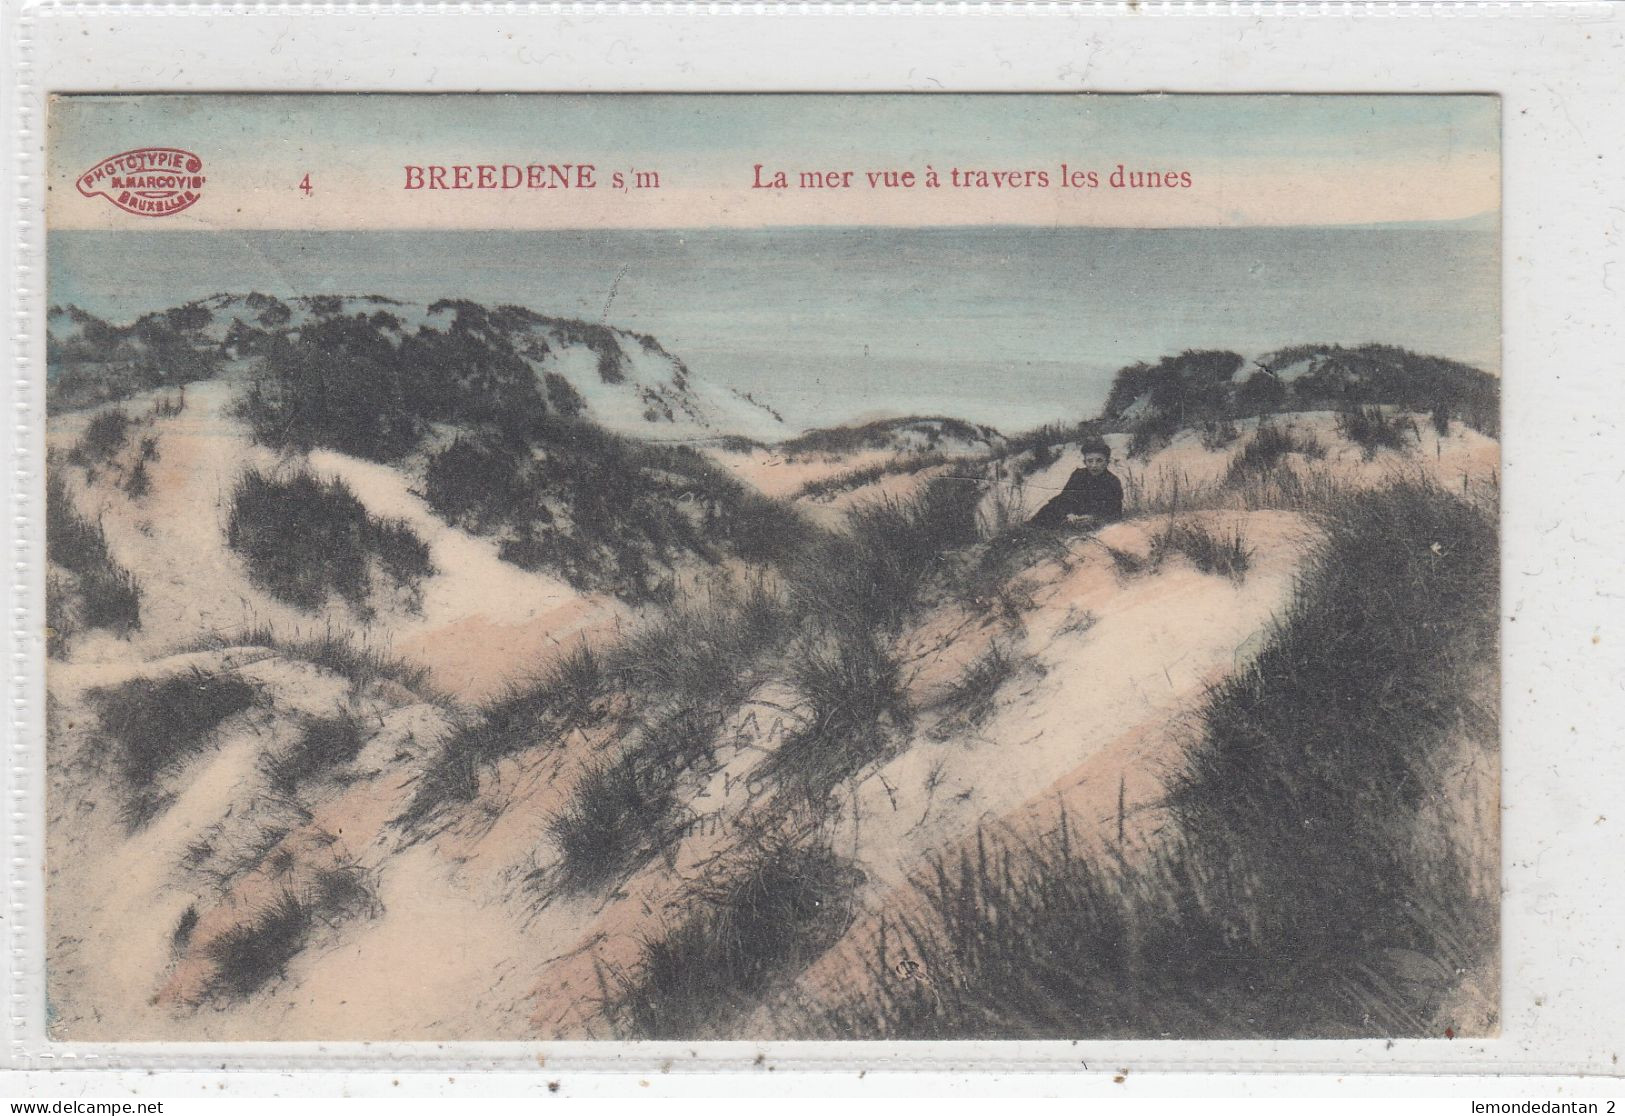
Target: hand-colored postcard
point(768, 567)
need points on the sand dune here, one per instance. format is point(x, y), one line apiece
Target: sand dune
point(445, 931)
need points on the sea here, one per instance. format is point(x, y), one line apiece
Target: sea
point(1010, 326)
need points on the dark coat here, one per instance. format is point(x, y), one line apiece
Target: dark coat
point(1084, 494)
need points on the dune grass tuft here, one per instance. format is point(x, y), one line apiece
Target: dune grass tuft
point(1269, 447)
point(156, 725)
point(1126, 563)
point(104, 436)
point(360, 663)
point(569, 693)
point(1225, 554)
point(323, 744)
point(873, 572)
point(60, 625)
point(1372, 429)
point(1003, 557)
point(619, 814)
point(968, 700)
point(181, 936)
point(854, 709)
point(102, 594)
point(623, 811)
point(247, 956)
point(837, 483)
point(1216, 433)
point(304, 537)
point(779, 906)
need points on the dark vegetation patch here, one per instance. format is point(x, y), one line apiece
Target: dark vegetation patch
point(136, 482)
point(968, 700)
point(857, 478)
point(772, 913)
point(601, 340)
point(156, 725)
point(1152, 431)
point(60, 625)
point(1190, 386)
point(1051, 437)
point(333, 651)
point(169, 406)
point(105, 435)
point(362, 384)
point(845, 595)
point(100, 593)
point(1339, 378)
point(1372, 429)
point(1299, 889)
point(1216, 433)
point(1225, 554)
point(563, 397)
point(1175, 393)
point(707, 650)
point(738, 443)
point(1040, 458)
point(537, 714)
point(1003, 557)
point(606, 513)
point(855, 709)
point(624, 811)
point(248, 955)
point(1205, 390)
point(1126, 563)
point(620, 813)
point(889, 434)
point(304, 537)
point(91, 361)
point(181, 936)
point(355, 384)
point(871, 574)
point(685, 670)
point(841, 482)
point(853, 591)
point(251, 954)
point(1268, 447)
point(324, 743)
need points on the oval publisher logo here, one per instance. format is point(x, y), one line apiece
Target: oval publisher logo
point(148, 182)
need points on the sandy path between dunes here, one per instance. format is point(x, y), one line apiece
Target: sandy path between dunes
point(482, 621)
point(174, 540)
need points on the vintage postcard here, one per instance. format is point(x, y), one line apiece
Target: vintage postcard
point(772, 567)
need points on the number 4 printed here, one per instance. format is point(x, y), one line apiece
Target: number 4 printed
point(304, 184)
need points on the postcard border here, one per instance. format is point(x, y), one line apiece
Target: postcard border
point(1556, 109)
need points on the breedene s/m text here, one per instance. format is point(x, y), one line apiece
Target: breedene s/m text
point(524, 176)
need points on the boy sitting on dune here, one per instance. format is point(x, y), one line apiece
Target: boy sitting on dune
point(1092, 496)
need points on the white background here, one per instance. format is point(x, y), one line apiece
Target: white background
point(1558, 68)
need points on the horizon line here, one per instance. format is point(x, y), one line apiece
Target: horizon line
point(1483, 217)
